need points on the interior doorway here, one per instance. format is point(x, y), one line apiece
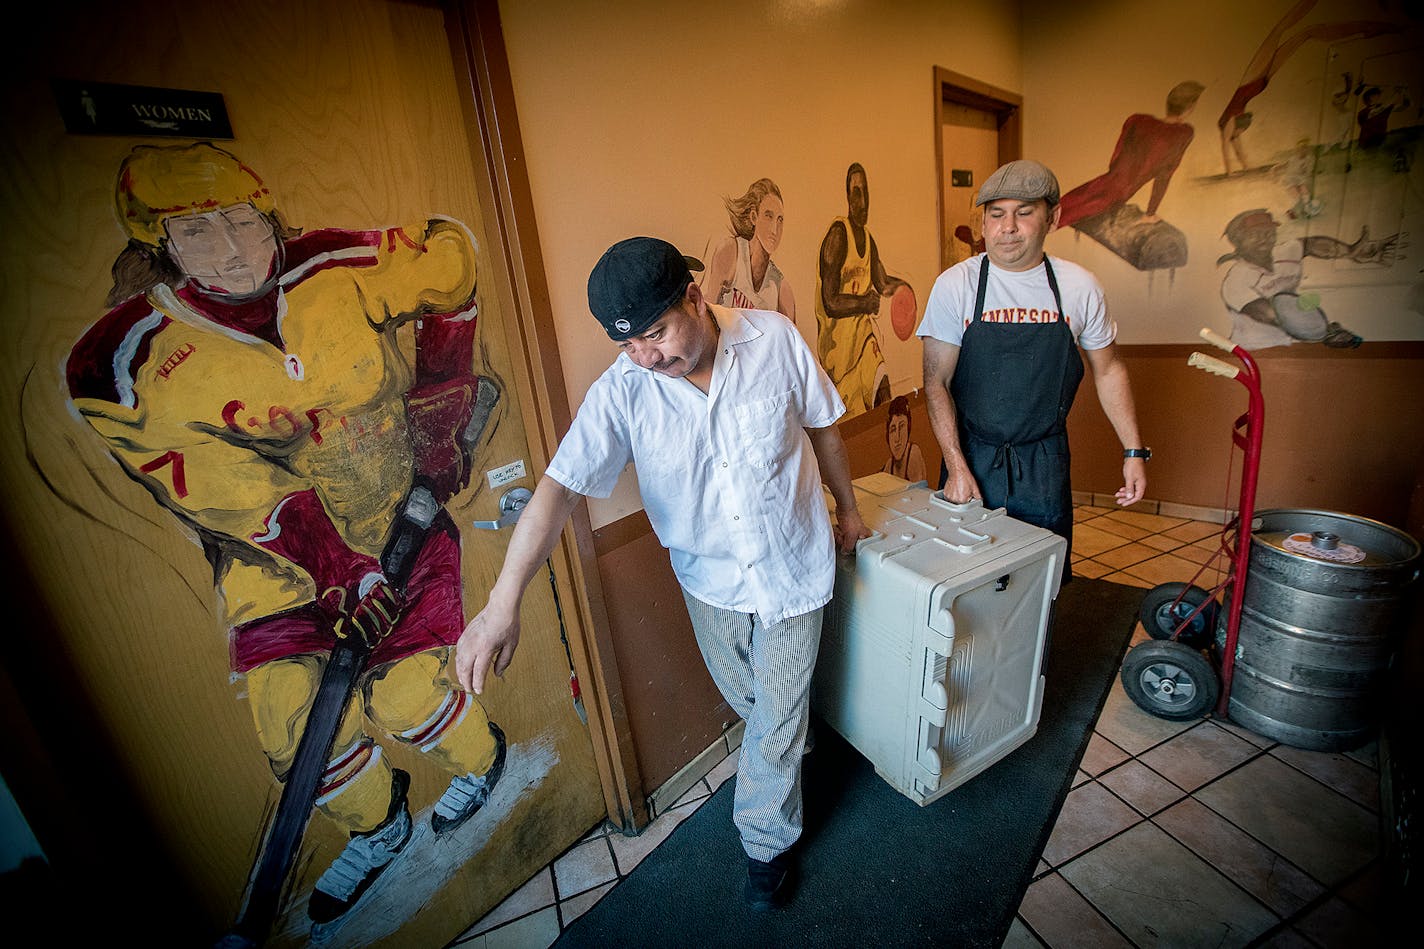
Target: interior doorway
point(977, 128)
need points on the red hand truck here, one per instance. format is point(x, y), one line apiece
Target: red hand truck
point(1184, 671)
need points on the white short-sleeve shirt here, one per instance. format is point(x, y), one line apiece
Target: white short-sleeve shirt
point(728, 479)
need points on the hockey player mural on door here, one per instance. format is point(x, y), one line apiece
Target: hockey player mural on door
point(255, 380)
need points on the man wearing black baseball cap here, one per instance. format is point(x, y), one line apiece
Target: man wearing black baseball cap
point(1002, 333)
point(730, 422)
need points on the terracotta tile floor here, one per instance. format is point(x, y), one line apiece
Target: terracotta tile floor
point(1174, 834)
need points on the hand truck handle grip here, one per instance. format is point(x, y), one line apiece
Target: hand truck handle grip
point(1211, 364)
point(1220, 342)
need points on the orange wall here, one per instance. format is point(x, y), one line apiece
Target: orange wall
point(648, 133)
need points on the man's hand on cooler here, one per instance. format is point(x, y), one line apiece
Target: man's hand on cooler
point(960, 486)
point(849, 530)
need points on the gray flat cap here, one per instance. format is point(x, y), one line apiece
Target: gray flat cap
point(1021, 180)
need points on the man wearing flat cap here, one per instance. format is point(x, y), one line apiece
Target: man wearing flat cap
point(731, 424)
point(1002, 333)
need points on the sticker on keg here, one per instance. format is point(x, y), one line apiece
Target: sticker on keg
point(1323, 546)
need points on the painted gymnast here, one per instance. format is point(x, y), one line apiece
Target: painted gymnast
point(1270, 56)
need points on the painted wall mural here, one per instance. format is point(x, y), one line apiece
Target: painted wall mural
point(1261, 287)
point(1148, 150)
point(1332, 182)
point(258, 382)
point(1300, 209)
point(1276, 48)
point(1375, 112)
point(851, 283)
point(969, 238)
point(904, 458)
point(740, 271)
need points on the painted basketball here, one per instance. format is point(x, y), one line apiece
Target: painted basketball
point(903, 311)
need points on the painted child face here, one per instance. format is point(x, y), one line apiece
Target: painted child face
point(898, 435)
point(231, 251)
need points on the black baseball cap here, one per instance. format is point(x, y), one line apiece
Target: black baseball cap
point(636, 281)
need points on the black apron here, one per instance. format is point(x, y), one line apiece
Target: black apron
point(1013, 386)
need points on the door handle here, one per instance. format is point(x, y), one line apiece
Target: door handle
point(511, 505)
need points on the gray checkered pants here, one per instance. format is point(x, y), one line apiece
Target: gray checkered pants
point(764, 673)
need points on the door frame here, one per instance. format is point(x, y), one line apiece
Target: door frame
point(1007, 107)
point(521, 287)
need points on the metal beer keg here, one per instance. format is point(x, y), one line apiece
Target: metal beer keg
point(1325, 601)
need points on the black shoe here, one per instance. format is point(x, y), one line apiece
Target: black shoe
point(769, 883)
point(467, 793)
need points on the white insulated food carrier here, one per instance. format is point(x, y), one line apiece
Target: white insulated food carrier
point(933, 645)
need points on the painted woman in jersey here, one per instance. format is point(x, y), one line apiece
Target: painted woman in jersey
point(249, 377)
point(740, 272)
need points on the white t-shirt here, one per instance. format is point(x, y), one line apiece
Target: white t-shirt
point(728, 479)
point(1018, 297)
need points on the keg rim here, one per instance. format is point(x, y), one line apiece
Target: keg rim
point(1415, 549)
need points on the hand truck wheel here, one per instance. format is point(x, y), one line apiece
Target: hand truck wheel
point(1167, 605)
point(1170, 680)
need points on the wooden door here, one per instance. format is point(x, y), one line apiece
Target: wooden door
point(132, 475)
point(970, 145)
point(978, 127)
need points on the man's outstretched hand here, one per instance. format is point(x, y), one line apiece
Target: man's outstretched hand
point(488, 642)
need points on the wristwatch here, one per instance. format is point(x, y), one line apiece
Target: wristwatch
point(1143, 453)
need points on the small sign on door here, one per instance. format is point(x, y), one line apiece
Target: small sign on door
point(504, 474)
point(106, 108)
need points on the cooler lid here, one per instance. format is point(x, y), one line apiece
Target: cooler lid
point(883, 497)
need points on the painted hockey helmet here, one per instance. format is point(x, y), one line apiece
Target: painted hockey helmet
point(157, 182)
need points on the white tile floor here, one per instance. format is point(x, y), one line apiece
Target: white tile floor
point(1174, 834)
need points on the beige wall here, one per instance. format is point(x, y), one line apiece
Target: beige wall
point(639, 117)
